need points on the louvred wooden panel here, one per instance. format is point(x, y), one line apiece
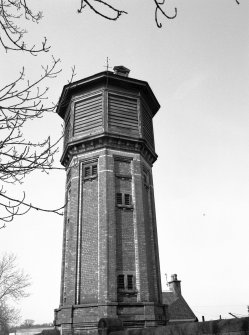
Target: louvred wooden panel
point(122, 113)
point(147, 126)
point(88, 114)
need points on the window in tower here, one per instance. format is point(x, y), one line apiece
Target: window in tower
point(69, 175)
point(146, 179)
point(121, 282)
point(90, 171)
point(126, 284)
point(124, 200)
point(94, 170)
point(87, 171)
point(119, 199)
point(127, 199)
point(130, 282)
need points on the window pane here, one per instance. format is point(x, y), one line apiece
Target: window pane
point(94, 169)
point(119, 198)
point(127, 199)
point(130, 282)
point(121, 282)
point(87, 171)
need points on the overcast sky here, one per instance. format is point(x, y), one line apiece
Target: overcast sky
point(197, 66)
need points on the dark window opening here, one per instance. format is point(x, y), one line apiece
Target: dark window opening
point(130, 282)
point(127, 199)
point(124, 200)
point(126, 284)
point(87, 171)
point(146, 178)
point(94, 169)
point(121, 282)
point(90, 171)
point(119, 199)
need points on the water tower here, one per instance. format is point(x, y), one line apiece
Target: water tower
point(110, 262)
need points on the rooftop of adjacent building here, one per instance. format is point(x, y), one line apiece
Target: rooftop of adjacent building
point(178, 308)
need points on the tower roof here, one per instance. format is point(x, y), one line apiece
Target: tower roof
point(106, 78)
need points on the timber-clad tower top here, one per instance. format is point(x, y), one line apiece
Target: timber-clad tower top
point(105, 108)
point(110, 259)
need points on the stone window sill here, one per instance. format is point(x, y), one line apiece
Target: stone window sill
point(90, 178)
point(127, 292)
point(126, 207)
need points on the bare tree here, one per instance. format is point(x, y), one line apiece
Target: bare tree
point(9, 316)
point(28, 323)
point(22, 101)
point(13, 286)
point(13, 281)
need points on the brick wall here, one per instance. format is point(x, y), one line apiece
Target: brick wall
point(89, 243)
point(70, 240)
point(103, 240)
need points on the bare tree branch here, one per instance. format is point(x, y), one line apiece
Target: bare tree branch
point(11, 35)
point(159, 8)
point(115, 13)
point(14, 207)
point(73, 74)
point(21, 102)
point(109, 12)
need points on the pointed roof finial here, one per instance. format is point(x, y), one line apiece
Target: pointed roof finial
point(107, 66)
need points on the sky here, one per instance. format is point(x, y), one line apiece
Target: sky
point(197, 66)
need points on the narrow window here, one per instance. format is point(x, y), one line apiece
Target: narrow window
point(90, 171)
point(68, 200)
point(121, 283)
point(127, 199)
point(130, 282)
point(94, 170)
point(87, 171)
point(119, 199)
point(146, 179)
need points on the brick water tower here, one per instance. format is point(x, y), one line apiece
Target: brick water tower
point(110, 261)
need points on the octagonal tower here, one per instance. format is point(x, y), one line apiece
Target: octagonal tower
point(110, 261)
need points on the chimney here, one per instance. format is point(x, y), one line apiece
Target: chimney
point(121, 70)
point(175, 285)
